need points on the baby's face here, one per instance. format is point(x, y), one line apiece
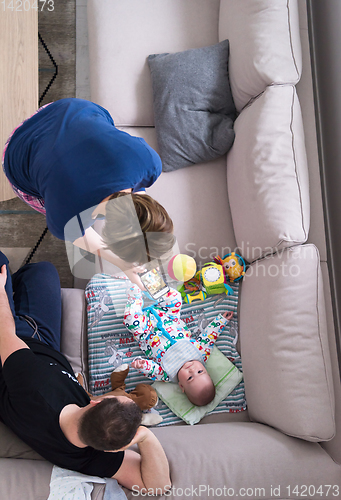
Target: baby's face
point(193, 376)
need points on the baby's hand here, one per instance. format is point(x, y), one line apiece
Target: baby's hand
point(228, 315)
point(138, 363)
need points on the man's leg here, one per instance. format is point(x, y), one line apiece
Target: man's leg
point(37, 296)
point(9, 341)
point(22, 328)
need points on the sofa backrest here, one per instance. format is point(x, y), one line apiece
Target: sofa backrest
point(120, 77)
point(265, 45)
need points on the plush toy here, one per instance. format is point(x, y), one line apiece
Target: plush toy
point(234, 266)
point(144, 395)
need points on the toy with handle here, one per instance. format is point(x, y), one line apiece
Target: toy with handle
point(213, 278)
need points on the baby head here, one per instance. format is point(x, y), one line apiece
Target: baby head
point(196, 383)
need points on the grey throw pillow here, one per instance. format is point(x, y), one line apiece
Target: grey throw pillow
point(193, 105)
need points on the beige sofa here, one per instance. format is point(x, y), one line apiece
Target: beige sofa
point(288, 443)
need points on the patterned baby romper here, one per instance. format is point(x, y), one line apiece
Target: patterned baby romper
point(159, 327)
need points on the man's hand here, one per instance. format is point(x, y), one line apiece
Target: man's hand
point(3, 277)
point(141, 434)
point(148, 470)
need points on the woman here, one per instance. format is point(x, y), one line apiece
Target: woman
point(69, 160)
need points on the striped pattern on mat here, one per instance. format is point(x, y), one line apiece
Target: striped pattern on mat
point(110, 344)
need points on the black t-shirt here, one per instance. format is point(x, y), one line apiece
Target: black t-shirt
point(35, 385)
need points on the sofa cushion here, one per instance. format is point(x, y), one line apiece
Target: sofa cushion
point(11, 446)
point(284, 345)
point(193, 105)
point(267, 175)
point(119, 44)
point(28, 479)
point(241, 460)
point(265, 45)
point(203, 232)
point(74, 343)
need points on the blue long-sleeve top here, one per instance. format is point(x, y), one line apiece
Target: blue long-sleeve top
point(71, 154)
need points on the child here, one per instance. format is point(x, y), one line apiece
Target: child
point(174, 355)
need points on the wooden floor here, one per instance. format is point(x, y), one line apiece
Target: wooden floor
point(58, 31)
point(19, 73)
point(21, 54)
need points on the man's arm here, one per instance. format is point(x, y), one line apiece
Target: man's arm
point(147, 471)
point(9, 342)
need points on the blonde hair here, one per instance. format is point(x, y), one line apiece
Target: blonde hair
point(137, 228)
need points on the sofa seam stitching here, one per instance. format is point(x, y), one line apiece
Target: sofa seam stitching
point(295, 162)
point(328, 382)
point(291, 44)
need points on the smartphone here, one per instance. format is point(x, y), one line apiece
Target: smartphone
point(154, 282)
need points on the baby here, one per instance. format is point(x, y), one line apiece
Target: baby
point(165, 339)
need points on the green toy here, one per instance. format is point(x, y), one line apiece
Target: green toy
point(213, 279)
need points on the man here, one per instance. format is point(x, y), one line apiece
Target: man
point(42, 402)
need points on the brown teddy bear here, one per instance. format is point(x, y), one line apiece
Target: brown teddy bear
point(143, 395)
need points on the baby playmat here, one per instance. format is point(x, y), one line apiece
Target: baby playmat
point(110, 344)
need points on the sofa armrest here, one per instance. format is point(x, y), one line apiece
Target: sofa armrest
point(284, 345)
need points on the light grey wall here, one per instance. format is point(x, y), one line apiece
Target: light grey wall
point(325, 39)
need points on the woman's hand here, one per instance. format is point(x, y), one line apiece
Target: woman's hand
point(132, 275)
point(3, 277)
